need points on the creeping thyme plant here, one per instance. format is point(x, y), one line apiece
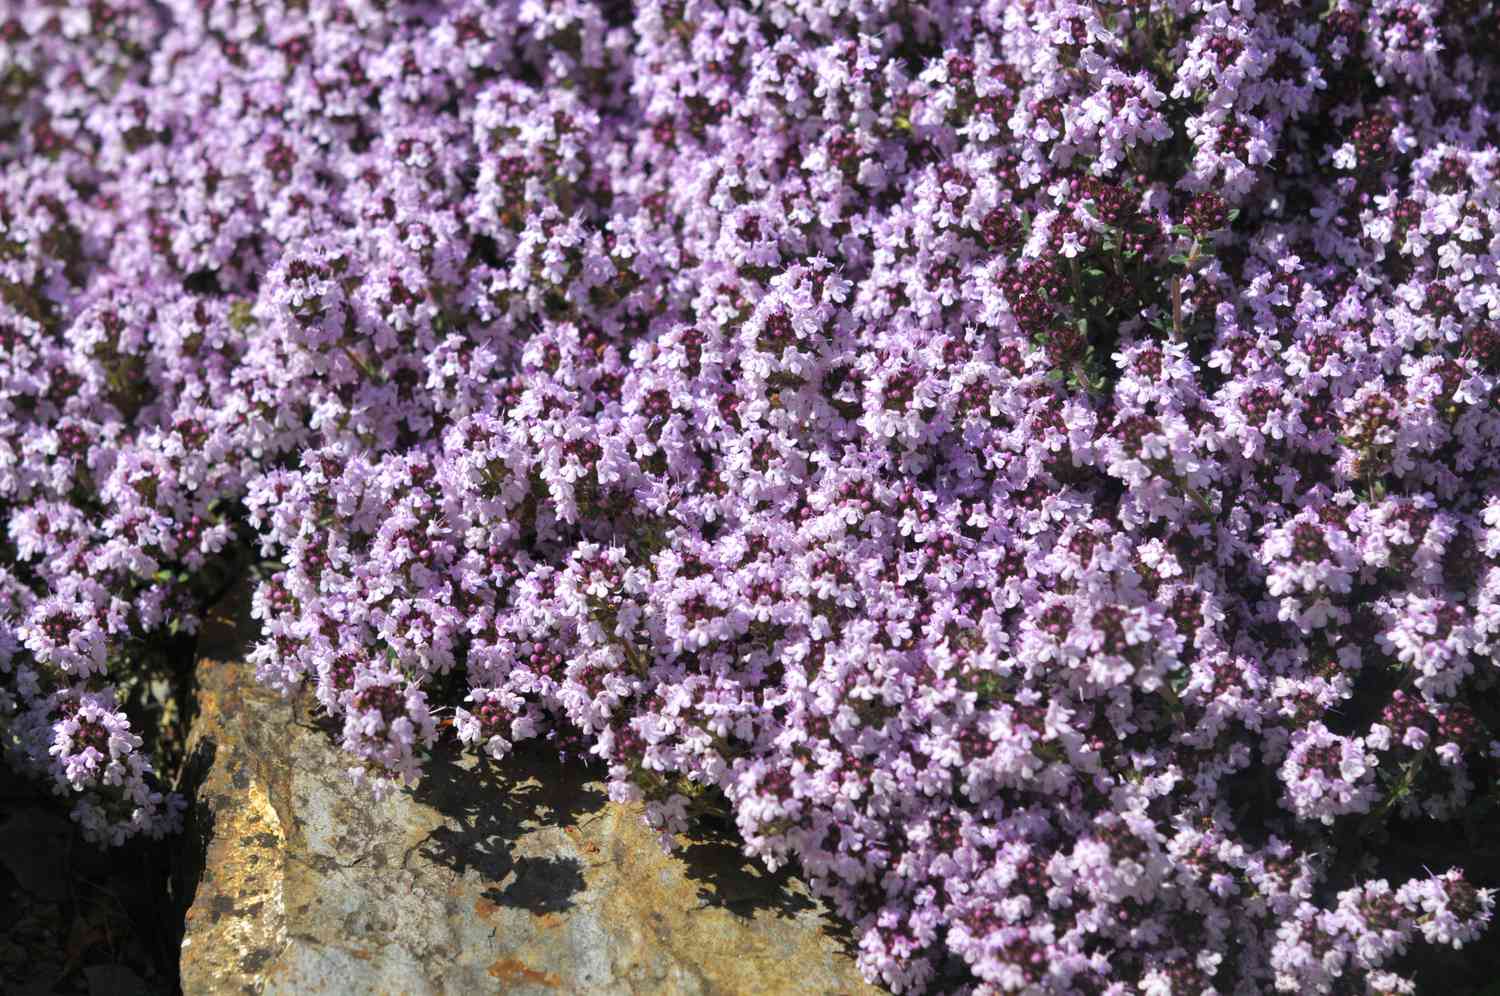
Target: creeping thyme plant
point(1034, 466)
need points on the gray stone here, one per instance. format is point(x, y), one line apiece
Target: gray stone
point(518, 877)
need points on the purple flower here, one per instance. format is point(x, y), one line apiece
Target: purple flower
point(1032, 467)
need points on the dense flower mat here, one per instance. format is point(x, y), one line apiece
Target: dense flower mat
point(1034, 465)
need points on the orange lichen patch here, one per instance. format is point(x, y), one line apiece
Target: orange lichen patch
point(549, 920)
point(577, 835)
point(512, 971)
point(485, 907)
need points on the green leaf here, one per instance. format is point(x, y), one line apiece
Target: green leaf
point(240, 315)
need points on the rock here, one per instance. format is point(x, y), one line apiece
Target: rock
point(517, 877)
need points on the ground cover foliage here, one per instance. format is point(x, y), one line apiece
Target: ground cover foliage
point(1033, 466)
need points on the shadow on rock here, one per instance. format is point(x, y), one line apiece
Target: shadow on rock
point(542, 885)
point(729, 880)
point(490, 806)
point(198, 828)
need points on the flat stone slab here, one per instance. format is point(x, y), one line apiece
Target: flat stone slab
point(519, 877)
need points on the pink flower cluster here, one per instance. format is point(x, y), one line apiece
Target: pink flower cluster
point(1032, 465)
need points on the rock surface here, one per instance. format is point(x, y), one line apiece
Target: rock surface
point(517, 877)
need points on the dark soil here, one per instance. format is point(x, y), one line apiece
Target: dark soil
point(81, 920)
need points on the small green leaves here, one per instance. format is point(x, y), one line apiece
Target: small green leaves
point(240, 315)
